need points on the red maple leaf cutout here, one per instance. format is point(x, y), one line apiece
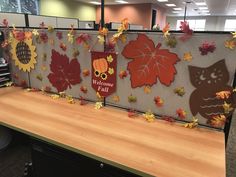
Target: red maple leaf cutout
point(149, 62)
point(64, 73)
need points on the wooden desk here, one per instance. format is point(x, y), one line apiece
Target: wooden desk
point(158, 149)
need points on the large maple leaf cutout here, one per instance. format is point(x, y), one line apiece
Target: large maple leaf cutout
point(64, 73)
point(149, 62)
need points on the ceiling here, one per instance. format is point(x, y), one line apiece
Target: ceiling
point(215, 7)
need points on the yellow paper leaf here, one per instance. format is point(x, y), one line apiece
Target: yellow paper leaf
point(188, 56)
point(192, 124)
point(55, 96)
point(98, 105)
point(149, 116)
point(147, 89)
point(230, 44)
point(116, 98)
point(227, 108)
point(234, 34)
point(35, 32)
point(110, 58)
point(111, 71)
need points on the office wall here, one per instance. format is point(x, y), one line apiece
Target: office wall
point(139, 14)
point(213, 23)
point(68, 8)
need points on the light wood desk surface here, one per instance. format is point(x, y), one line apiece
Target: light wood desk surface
point(159, 148)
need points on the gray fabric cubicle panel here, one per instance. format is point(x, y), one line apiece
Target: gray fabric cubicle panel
point(14, 18)
point(172, 101)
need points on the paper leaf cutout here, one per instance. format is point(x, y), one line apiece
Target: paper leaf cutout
point(132, 113)
point(44, 37)
point(233, 34)
point(171, 41)
point(165, 30)
point(168, 119)
point(158, 101)
point(86, 72)
point(75, 52)
point(116, 98)
point(83, 89)
point(223, 94)
point(179, 91)
point(64, 73)
point(218, 121)
point(63, 46)
point(59, 35)
point(147, 89)
point(149, 62)
point(230, 44)
point(123, 74)
point(184, 26)
point(188, 56)
point(207, 47)
point(149, 116)
point(192, 124)
point(98, 105)
point(39, 77)
point(132, 99)
point(227, 108)
point(181, 113)
point(70, 99)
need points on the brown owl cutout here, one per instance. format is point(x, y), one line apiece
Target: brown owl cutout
point(208, 81)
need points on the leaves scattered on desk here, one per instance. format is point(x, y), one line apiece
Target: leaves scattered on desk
point(192, 124)
point(149, 116)
point(98, 105)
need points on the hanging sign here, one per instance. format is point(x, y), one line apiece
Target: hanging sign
point(104, 72)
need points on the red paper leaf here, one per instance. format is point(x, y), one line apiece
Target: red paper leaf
point(64, 73)
point(149, 62)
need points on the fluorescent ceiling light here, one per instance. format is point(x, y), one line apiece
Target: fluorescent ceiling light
point(170, 5)
point(200, 3)
point(122, 2)
point(95, 2)
point(175, 12)
point(178, 8)
point(162, 0)
point(203, 8)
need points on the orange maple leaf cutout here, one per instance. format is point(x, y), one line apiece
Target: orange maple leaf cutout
point(149, 62)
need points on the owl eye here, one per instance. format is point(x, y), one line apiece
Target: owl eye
point(202, 77)
point(213, 75)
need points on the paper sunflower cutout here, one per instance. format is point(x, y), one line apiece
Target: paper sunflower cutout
point(23, 52)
